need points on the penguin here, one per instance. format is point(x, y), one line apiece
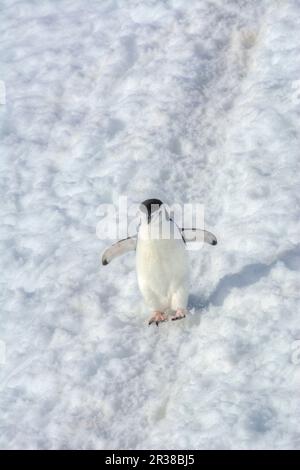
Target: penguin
point(162, 262)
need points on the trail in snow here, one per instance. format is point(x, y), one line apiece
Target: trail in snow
point(189, 102)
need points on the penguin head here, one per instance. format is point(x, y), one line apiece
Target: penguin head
point(150, 207)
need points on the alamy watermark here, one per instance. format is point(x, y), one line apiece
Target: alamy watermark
point(118, 221)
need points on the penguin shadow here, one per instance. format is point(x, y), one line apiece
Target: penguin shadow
point(249, 275)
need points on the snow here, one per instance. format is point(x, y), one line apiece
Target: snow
point(193, 101)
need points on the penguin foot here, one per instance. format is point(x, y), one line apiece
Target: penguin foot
point(158, 317)
point(180, 313)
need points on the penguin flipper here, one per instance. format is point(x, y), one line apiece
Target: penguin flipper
point(118, 249)
point(198, 235)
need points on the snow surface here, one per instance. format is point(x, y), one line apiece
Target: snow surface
point(189, 101)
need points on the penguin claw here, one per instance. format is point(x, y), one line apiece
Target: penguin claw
point(179, 315)
point(157, 318)
point(177, 318)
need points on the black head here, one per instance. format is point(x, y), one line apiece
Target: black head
point(150, 206)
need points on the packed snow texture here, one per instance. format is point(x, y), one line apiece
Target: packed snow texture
point(189, 101)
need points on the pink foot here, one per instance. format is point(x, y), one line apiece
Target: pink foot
point(180, 313)
point(157, 318)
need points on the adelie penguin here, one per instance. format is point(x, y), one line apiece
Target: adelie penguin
point(161, 260)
